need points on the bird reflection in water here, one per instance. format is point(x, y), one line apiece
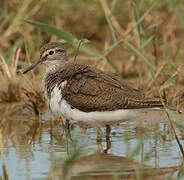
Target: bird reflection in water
point(105, 166)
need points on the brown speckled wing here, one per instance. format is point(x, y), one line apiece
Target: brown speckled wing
point(89, 89)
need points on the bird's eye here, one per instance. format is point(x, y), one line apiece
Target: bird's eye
point(51, 52)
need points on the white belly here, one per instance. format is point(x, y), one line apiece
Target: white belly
point(60, 107)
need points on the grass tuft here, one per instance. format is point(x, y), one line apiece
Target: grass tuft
point(10, 87)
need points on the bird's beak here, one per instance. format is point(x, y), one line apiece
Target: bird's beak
point(33, 65)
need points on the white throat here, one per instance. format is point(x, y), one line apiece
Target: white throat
point(52, 65)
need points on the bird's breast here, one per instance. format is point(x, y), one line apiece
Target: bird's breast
point(56, 99)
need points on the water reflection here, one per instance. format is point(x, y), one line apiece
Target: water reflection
point(34, 148)
point(106, 166)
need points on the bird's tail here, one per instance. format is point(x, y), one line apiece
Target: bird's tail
point(174, 109)
point(170, 108)
point(161, 108)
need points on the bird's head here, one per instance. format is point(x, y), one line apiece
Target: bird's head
point(50, 54)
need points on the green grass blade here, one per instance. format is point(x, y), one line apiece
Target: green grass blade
point(114, 67)
point(10, 53)
point(176, 5)
point(136, 16)
point(111, 28)
point(169, 81)
point(178, 48)
point(147, 42)
point(140, 54)
point(108, 19)
point(113, 46)
point(68, 37)
point(165, 47)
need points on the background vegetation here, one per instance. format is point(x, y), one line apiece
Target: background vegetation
point(135, 39)
point(141, 41)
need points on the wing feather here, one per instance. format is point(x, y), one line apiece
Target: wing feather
point(89, 89)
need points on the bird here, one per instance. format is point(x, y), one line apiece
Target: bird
point(82, 93)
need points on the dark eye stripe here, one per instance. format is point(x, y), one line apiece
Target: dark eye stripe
point(60, 50)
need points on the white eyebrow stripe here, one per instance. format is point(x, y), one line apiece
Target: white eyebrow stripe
point(55, 49)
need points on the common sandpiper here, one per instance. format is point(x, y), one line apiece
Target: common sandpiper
point(82, 93)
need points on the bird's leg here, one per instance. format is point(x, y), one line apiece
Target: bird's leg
point(84, 129)
point(67, 124)
point(66, 127)
point(99, 139)
point(67, 130)
point(99, 135)
point(62, 123)
point(68, 134)
point(108, 142)
point(108, 132)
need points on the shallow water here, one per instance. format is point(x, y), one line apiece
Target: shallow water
point(38, 148)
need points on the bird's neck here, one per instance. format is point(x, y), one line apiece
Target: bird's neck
point(50, 79)
point(55, 65)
